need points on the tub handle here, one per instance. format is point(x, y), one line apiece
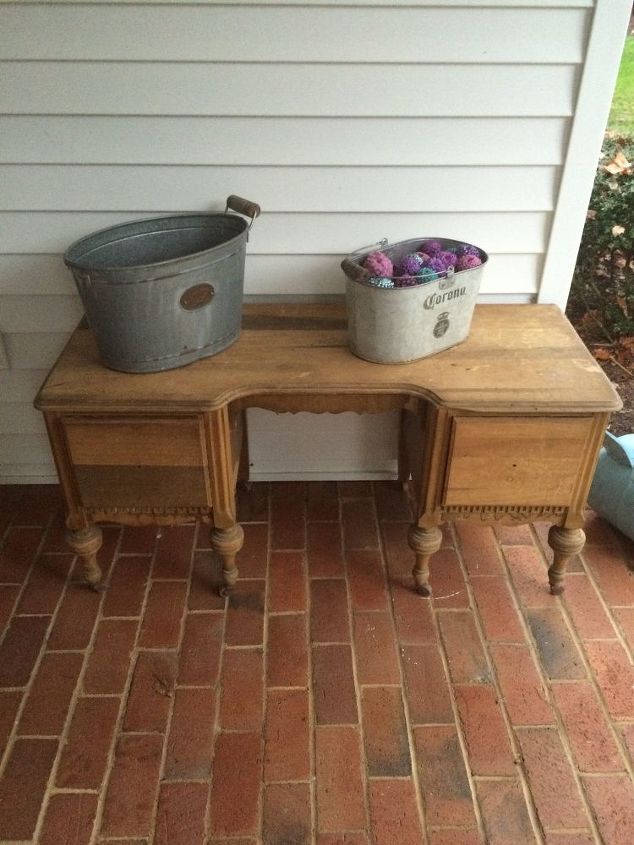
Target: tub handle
point(242, 206)
point(354, 271)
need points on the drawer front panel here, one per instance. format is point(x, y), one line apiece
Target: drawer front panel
point(507, 461)
point(138, 463)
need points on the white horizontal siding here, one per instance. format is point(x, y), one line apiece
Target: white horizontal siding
point(275, 89)
point(32, 350)
point(549, 4)
point(39, 314)
point(282, 140)
point(25, 449)
point(20, 385)
point(277, 34)
point(22, 417)
point(278, 189)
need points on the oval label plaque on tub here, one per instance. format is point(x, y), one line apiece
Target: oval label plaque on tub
point(197, 296)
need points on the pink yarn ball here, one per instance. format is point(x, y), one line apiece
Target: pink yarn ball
point(379, 264)
point(430, 247)
point(468, 262)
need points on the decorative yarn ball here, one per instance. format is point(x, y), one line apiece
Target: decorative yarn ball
point(468, 262)
point(380, 282)
point(405, 281)
point(426, 275)
point(430, 247)
point(437, 264)
point(411, 264)
point(379, 264)
point(467, 249)
point(424, 256)
point(449, 259)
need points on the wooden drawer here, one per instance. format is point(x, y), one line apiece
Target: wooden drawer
point(511, 461)
point(138, 462)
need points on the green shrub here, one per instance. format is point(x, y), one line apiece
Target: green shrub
point(603, 281)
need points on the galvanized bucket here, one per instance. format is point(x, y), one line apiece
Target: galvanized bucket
point(166, 291)
point(397, 325)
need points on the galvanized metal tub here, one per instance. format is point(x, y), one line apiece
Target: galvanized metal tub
point(397, 325)
point(163, 292)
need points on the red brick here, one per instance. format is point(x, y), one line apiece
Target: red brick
point(497, 610)
point(391, 501)
point(85, 754)
point(585, 608)
point(323, 501)
point(556, 647)
point(324, 550)
point(10, 701)
point(385, 732)
point(529, 574)
point(514, 535)
point(288, 523)
point(245, 614)
point(23, 785)
point(413, 614)
point(252, 501)
point(359, 524)
point(487, 741)
point(443, 777)
point(173, 558)
point(17, 554)
point(129, 805)
point(287, 817)
point(205, 583)
point(480, 550)
point(504, 813)
point(151, 692)
point(333, 685)
point(615, 580)
point(191, 735)
point(20, 649)
point(231, 841)
point(599, 532)
point(242, 699)
point(625, 618)
point(287, 582)
point(569, 838)
point(161, 626)
point(627, 732)
point(366, 577)
point(342, 839)
point(38, 504)
point(180, 816)
point(551, 781)
point(465, 655)
point(399, 556)
point(287, 651)
point(126, 590)
point(55, 537)
point(542, 530)
point(593, 746)
point(340, 788)
point(375, 648)
point(426, 685)
point(329, 618)
point(111, 657)
point(139, 540)
point(287, 735)
point(50, 694)
point(69, 819)
point(612, 799)
point(253, 557)
point(448, 585)
point(75, 618)
point(235, 792)
point(127, 842)
point(522, 688)
point(45, 584)
point(201, 648)
point(393, 808)
point(8, 596)
point(454, 836)
point(355, 489)
point(615, 676)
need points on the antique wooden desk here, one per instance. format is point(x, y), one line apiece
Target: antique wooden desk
point(505, 427)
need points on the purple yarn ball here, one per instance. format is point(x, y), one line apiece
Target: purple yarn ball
point(405, 281)
point(449, 259)
point(467, 249)
point(468, 262)
point(425, 257)
point(411, 264)
point(430, 247)
point(437, 264)
point(379, 264)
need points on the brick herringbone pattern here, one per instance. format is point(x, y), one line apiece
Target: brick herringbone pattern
point(324, 703)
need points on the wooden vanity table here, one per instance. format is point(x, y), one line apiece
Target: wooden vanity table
point(506, 427)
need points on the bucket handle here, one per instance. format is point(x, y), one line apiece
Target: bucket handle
point(244, 207)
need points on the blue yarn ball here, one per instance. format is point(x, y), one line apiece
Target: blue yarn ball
point(380, 282)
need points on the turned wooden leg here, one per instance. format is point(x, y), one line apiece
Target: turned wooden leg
point(565, 543)
point(424, 542)
point(227, 542)
point(86, 543)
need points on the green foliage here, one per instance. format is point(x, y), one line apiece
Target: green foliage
point(622, 112)
point(603, 282)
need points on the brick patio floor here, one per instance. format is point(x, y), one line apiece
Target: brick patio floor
point(328, 703)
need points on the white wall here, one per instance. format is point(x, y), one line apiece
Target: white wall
point(347, 121)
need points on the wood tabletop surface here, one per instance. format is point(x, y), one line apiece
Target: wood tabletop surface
point(517, 358)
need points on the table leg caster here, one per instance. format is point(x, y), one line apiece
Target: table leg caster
point(424, 542)
point(86, 543)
